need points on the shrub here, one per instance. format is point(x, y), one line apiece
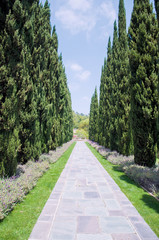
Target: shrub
point(14, 189)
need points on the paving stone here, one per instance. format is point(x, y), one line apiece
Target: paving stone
point(55, 195)
point(41, 231)
point(115, 225)
point(69, 211)
point(64, 224)
point(45, 218)
point(145, 232)
point(61, 236)
point(87, 224)
point(112, 204)
point(116, 213)
point(107, 195)
point(49, 209)
point(130, 211)
point(91, 195)
point(120, 236)
point(72, 195)
point(99, 211)
point(94, 237)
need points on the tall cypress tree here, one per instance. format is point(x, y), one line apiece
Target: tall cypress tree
point(107, 95)
point(157, 9)
point(124, 131)
point(114, 92)
point(144, 81)
point(35, 102)
point(102, 112)
point(94, 118)
point(91, 123)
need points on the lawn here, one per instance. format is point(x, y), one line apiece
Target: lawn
point(20, 222)
point(147, 206)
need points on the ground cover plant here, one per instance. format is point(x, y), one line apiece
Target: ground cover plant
point(14, 189)
point(20, 222)
point(146, 205)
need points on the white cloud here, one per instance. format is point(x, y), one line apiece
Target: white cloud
point(76, 67)
point(83, 15)
point(82, 5)
point(84, 76)
point(75, 21)
point(79, 73)
point(107, 10)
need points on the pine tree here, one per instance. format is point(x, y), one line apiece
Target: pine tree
point(157, 9)
point(94, 118)
point(102, 112)
point(114, 92)
point(11, 47)
point(91, 137)
point(35, 102)
point(143, 84)
point(107, 96)
point(124, 130)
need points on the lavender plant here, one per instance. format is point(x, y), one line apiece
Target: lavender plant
point(14, 189)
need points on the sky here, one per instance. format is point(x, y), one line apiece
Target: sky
point(83, 28)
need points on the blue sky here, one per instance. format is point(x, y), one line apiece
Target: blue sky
point(83, 28)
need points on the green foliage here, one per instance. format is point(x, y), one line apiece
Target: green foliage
point(144, 82)
point(114, 92)
point(123, 76)
point(35, 102)
point(81, 125)
point(157, 9)
point(94, 118)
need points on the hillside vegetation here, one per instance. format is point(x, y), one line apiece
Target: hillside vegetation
point(80, 125)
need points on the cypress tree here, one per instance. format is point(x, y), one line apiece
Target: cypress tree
point(34, 118)
point(114, 92)
point(91, 137)
point(124, 130)
point(144, 95)
point(157, 9)
point(107, 96)
point(94, 118)
point(102, 112)
point(11, 47)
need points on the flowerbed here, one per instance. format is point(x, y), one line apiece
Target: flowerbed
point(14, 189)
point(144, 176)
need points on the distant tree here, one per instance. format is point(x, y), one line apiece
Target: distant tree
point(102, 110)
point(114, 92)
point(144, 82)
point(124, 130)
point(107, 96)
point(94, 118)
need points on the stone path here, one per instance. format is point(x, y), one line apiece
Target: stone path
point(86, 204)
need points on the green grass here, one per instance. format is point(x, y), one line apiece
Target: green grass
point(147, 206)
point(20, 222)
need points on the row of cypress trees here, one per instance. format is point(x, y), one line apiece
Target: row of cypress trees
point(35, 102)
point(128, 105)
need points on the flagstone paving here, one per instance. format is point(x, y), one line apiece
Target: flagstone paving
point(86, 204)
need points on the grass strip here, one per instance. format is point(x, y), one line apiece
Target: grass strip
point(146, 205)
point(20, 222)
